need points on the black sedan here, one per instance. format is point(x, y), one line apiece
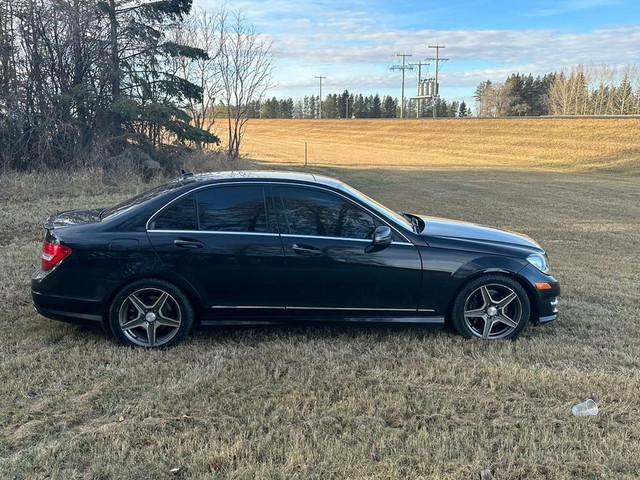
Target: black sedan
point(274, 247)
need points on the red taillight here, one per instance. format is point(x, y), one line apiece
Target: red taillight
point(53, 254)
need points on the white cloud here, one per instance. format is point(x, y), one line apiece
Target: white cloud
point(354, 46)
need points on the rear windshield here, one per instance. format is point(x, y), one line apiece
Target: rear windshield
point(141, 198)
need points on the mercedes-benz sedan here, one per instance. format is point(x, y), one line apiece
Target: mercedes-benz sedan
point(277, 247)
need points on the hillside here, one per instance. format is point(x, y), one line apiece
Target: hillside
point(604, 145)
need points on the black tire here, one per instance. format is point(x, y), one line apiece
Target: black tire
point(151, 313)
point(478, 307)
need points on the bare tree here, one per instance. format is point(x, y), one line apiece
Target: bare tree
point(559, 95)
point(494, 99)
point(244, 66)
point(200, 30)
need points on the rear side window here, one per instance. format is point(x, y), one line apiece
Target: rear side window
point(322, 214)
point(181, 215)
point(233, 209)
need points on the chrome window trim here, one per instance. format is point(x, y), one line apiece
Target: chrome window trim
point(266, 182)
point(214, 232)
point(366, 240)
point(268, 234)
point(250, 306)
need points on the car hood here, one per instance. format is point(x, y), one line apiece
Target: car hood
point(73, 217)
point(442, 227)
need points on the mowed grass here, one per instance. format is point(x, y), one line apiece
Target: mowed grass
point(329, 402)
point(580, 144)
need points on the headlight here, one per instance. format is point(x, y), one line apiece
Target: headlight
point(539, 261)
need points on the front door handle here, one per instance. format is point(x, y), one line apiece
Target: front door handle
point(306, 250)
point(178, 242)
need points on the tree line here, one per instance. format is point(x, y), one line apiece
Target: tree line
point(82, 81)
point(350, 105)
point(580, 90)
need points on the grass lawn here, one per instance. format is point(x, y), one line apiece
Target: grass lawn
point(360, 403)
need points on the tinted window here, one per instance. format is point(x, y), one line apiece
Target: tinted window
point(317, 213)
point(181, 215)
point(232, 209)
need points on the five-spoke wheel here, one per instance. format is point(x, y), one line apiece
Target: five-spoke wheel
point(151, 314)
point(491, 307)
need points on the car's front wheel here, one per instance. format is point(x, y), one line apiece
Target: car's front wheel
point(151, 314)
point(491, 307)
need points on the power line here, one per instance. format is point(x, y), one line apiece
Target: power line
point(437, 46)
point(320, 77)
point(402, 67)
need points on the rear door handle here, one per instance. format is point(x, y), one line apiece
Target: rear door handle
point(178, 242)
point(306, 250)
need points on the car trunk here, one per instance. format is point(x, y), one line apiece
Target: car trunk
point(73, 217)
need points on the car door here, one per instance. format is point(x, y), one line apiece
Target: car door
point(224, 242)
point(324, 235)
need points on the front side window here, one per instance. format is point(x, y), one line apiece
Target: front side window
point(323, 214)
point(232, 209)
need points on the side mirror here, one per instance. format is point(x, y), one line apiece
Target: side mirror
point(382, 237)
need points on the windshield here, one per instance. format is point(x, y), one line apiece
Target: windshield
point(384, 211)
point(140, 198)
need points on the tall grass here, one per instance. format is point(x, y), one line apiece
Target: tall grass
point(331, 402)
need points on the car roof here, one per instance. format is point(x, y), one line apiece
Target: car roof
point(261, 175)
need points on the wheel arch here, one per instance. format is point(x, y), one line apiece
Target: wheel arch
point(190, 292)
point(528, 288)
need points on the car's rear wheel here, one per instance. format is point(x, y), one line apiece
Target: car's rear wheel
point(151, 314)
point(491, 307)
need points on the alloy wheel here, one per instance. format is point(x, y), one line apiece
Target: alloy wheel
point(492, 311)
point(150, 317)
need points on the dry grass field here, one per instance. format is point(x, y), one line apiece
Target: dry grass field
point(604, 145)
point(356, 403)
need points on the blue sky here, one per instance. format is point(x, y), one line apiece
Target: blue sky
point(354, 42)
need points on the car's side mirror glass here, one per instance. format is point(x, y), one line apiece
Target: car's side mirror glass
point(382, 237)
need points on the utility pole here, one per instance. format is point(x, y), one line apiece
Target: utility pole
point(437, 46)
point(320, 77)
point(402, 67)
point(419, 65)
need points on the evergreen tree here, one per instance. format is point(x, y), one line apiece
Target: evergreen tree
point(368, 101)
point(389, 107)
point(330, 106)
point(452, 108)
point(287, 108)
point(146, 95)
point(376, 107)
point(344, 104)
point(462, 111)
point(624, 96)
point(270, 108)
point(298, 109)
point(312, 108)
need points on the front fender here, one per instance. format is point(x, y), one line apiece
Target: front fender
point(446, 271)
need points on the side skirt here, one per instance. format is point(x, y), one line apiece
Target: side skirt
point(434, 321)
